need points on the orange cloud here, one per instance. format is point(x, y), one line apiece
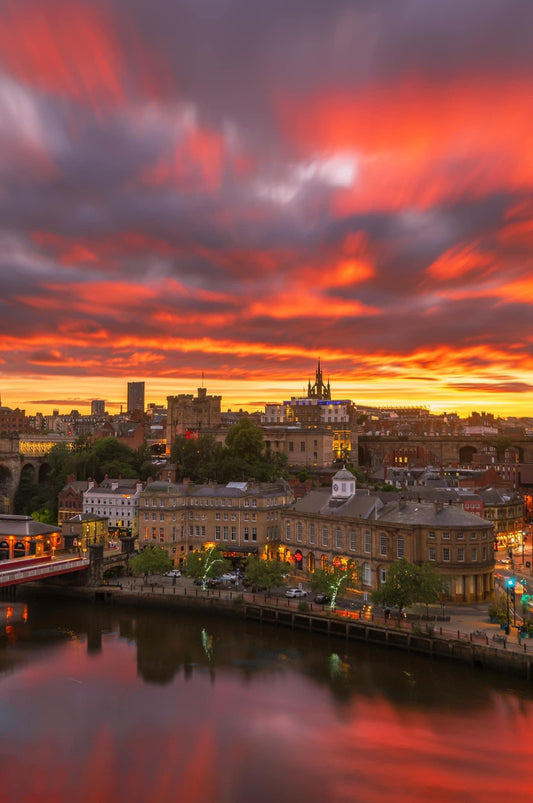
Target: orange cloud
point(419, 144)
point(61, 46)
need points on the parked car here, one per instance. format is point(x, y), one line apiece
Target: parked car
point(295, 592)
point(173, 573)
point(229, 577)
point(322, 599)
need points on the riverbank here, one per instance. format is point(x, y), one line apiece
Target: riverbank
point(465, 637)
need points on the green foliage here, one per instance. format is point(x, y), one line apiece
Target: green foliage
point(334, 580)
point(385, 486)
point(267, 574)
point(408, 584)
point(152, 560)
point(106, 456)
point(241, 457)
point(203, 564)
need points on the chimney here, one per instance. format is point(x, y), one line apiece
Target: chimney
point(438, 506)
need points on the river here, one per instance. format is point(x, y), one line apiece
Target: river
point(128, 705)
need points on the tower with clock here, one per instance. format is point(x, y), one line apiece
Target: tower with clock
point(343, 484)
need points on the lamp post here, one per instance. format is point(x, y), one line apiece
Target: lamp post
point(509, 584)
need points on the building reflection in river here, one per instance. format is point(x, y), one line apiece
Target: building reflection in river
point(209, 710)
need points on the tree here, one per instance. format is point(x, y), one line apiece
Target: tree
point(152, 560)
point(267, 574)
point(407, 584)
point(334, 579)
point(245, 441)
point(203, 564)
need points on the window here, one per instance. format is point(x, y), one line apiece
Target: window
point(225, 533)
point(400, 550)
point(312, 533)
point(325, 536)
point(154, 516)
point(367, 574)
point(382, 544)
point(254, 502)
point(254, 533)
point(161, 517)
point(233, 533)
point(217, 532)
point(299, 532)
point(473, 536)
point(460, 554)
point(161, 503)
point(431, 534)
point(161, 533)
point(287, 532)
point(382, 575)
point(432, 553)
point(484, 553)
point(338, 538)
point(246, 533)
point(446, 553)
point(291, 446)
point(460, 536)
point(474, 553)
point(146, 516)
point(217, 516)
point(446, 536)
point(352, 540)
point(368, 541)
point(225, 517)
point(302, 446)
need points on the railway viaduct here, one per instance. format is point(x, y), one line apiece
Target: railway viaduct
point(444, 450)
point(12, 464)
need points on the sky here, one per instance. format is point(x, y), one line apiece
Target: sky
point(238, 188)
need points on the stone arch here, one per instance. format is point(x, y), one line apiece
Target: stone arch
point(7, 489)
point(44, 473)
point(466, 454)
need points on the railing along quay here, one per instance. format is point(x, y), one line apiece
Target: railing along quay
point(498, 653)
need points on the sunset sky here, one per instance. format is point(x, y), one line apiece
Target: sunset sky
point(240, 187)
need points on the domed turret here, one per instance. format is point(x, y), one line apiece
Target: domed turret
point(343, 485)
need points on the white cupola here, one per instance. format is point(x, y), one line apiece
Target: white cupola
point(343, 485)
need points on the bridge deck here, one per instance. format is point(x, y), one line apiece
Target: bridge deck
point(30, 571)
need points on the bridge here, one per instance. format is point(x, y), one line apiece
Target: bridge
point(12, 465)
point(89, 569)
point(20, 570)
point(376, 451)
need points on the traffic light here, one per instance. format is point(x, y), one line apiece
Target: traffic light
point(510, 582)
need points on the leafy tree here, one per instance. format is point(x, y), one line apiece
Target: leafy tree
point(152, 560)
point(245, 441)
point(203, 564)
point(267, 574)
point(407, 584)
point(334, 580)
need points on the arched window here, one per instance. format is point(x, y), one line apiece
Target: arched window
point(367, 574)
point(338, 538)
point(382, 544)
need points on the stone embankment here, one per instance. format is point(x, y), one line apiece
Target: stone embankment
point(488, 648)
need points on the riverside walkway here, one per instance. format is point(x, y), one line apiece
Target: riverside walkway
point(468, 624)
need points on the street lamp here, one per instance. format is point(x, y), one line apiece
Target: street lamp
point(509, 584)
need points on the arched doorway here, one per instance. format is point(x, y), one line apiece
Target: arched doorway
point(311, 562)
point(4, 550)
point(324, 562)
point(19, 550)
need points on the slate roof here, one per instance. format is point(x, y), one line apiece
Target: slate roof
point(21, 526)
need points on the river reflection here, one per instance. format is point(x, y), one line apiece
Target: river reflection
point(106, 704)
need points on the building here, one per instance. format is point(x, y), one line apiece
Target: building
point(22, 536)
point(191, 416)
point(12, 422)
point(242, 518)
point(304, 448)
point(84, 529)
point(70, 498)
point(98, 407)
point(117, 501)
point(135, 397)
point(340, 523)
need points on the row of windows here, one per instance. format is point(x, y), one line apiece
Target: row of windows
point(211, 502)
point(338, 539)
point(459, 536)
point(459, 554)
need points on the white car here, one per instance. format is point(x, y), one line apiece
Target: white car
point(173, 573)
point(229, 577)
point(295, 592)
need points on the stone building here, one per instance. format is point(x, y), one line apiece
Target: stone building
point(70, 498)
point(84, 529)
point(341, 524)
point(190, 415)
point(242, 518)
point(117, 500)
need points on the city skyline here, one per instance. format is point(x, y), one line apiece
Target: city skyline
point(239, 191)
